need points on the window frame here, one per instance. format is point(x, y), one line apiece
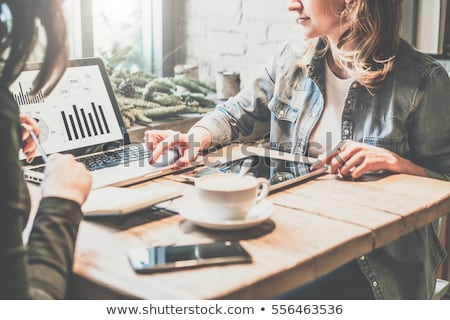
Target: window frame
point(158, 34)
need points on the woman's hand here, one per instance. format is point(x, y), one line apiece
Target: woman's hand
point(353, 159)
point(28, 124)
point(64, 177)
point(189, 144)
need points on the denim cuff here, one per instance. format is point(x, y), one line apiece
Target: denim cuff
point(218, 127)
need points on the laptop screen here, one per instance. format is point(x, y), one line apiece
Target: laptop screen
point(79, 116)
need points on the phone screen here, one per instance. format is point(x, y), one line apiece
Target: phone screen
point(171, 258)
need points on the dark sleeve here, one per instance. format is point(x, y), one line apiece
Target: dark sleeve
point(51, 247)
point(14, 208)
point(40, 269)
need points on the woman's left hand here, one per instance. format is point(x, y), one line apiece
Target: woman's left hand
point(28, 124)
point(353, 159)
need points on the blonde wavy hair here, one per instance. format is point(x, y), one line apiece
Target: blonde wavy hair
point(373, 33)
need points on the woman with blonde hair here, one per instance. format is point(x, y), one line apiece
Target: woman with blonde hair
point(39, 269)
point(357, 85)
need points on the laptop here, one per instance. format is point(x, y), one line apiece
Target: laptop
point(81, 117)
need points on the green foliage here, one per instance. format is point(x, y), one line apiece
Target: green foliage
point(143, 96)
point(114, 57)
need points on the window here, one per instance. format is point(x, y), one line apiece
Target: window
point(136, 28)
point(117, 28)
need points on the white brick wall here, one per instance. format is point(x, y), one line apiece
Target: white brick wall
point(233, 35)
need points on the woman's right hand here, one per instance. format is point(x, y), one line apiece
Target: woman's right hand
point(64, 177)
point(28, 124)
point(189, 144)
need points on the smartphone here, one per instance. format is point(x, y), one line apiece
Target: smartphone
point(156, 259)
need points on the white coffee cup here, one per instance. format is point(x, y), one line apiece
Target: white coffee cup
point(228, 196)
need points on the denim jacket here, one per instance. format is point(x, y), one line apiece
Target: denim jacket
point(409, 115)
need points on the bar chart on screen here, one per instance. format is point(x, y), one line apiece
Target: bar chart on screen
point(77, 113)
point(25, 97)
point(85, 122)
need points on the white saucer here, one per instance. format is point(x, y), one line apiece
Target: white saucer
point(258, 214)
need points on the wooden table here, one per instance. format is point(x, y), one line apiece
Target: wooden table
point(316, 226)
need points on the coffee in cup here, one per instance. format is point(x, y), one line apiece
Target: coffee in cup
point(228, 196)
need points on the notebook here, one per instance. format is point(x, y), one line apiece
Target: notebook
point(81, 116)
point(112, 201)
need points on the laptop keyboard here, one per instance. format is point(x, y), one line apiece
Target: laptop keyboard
point(114, 158)
point(111, 158)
